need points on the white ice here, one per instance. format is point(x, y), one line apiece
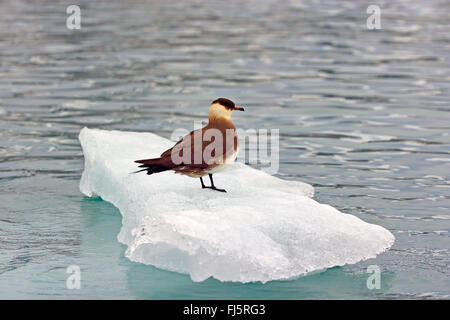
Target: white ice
point(262, 229)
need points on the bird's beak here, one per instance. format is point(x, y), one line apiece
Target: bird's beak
point(239, 108)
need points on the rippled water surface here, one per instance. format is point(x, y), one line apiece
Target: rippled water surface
point(363, 116)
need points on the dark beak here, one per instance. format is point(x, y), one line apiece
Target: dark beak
point(239, 108)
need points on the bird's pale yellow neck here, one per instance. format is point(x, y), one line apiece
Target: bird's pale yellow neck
point(217, 111)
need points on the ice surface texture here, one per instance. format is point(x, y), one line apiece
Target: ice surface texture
point(262, 229)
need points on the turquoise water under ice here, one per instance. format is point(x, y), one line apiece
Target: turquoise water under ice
point(363, 116)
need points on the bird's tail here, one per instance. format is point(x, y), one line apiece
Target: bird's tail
point(152, 165)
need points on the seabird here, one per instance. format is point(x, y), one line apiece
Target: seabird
point(204, 151)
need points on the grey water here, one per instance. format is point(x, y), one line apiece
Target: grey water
point(364, 116)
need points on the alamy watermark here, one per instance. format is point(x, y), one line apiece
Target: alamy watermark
point(212, 146)
point(374, 280)
point(373, 22)
point(73, 21)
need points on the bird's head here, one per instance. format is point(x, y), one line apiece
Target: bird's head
point(222, 108)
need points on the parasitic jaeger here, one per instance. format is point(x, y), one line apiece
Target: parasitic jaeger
point(204, 151)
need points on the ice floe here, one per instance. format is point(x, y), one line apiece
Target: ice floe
point(262, 229)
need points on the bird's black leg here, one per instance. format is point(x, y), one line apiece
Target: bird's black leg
point(203, 185)
point(213, 186)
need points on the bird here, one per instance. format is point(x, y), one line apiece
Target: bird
point(203, 151)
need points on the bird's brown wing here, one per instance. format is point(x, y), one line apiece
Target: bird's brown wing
point(183, 144)
point(192, 157)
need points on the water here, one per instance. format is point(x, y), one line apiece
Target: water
point(363, 116)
